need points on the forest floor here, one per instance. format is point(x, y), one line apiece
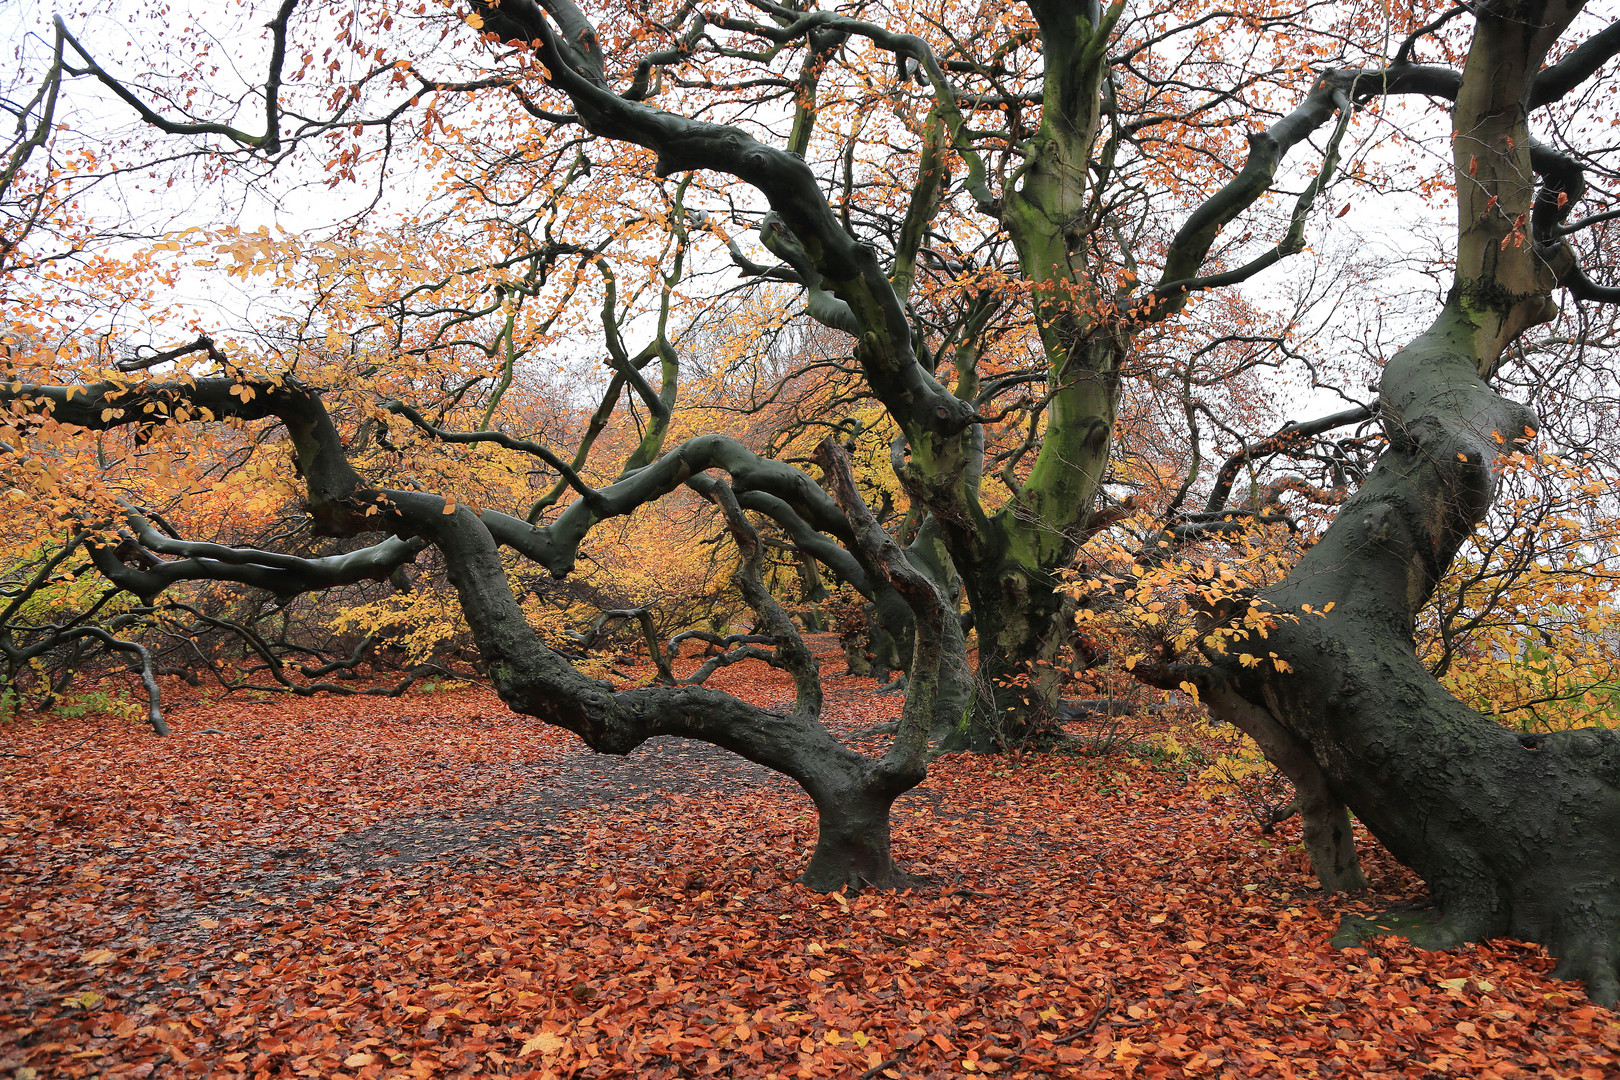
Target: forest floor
point(433, 887)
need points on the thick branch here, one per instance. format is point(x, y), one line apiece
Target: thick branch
point(791, 652)
point(851, 270)
point(284, 575)
point(924, 598)
point(269, 142)
point(1290, 437)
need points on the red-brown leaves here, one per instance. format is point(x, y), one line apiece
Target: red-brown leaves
point(432, 887)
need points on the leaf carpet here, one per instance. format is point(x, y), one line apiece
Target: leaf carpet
point(433, 887)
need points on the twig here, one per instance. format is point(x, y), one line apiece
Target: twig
point(75, 746)
point(1090, 1025)
point(879, 1067)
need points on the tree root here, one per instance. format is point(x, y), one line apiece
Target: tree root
point(1424, 927)
point(1592, 958)
point(849, 880)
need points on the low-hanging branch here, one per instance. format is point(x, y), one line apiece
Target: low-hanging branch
point(284, 575)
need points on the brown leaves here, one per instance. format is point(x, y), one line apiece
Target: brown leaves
point(252, 904)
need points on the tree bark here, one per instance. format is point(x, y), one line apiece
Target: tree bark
point(1515, 835)
point(1017, 616)
point(852, 842)
point(1329, 839)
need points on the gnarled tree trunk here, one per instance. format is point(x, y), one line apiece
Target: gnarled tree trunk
point(1514, 834)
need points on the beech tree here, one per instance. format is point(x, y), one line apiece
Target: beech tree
point(993, 223)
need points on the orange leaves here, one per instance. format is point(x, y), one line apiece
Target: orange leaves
point(431, 886)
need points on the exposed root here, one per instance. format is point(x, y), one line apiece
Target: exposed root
point(1597, 964)
point(1590, 958)
point(852, 880)
point(1425, 928)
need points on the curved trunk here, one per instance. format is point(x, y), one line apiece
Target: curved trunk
point(1514, 834)
point(852, 792)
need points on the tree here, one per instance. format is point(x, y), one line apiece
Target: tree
point(1514, 834)
point(1048, 202)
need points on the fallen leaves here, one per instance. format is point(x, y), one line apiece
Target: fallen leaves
point(432, 887)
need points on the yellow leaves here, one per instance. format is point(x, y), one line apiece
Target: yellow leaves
point(449, 507)
point(421, 622)
point(546, 1043)
point(85, 1000)
point(474, 20)
point(1534, 649)
point(1184, 609)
